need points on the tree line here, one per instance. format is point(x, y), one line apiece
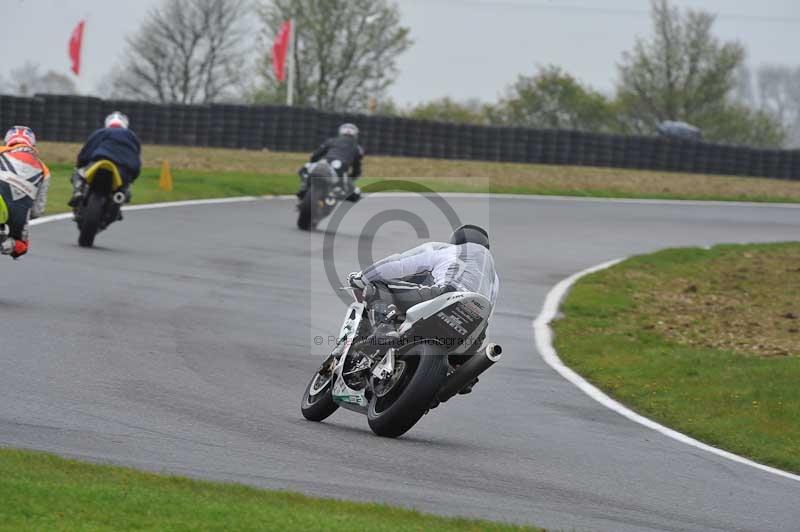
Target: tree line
point(346, 51)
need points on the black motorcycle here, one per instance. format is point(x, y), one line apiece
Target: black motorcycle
point(102, 199)
point(324, 189)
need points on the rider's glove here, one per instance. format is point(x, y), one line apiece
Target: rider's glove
point(303, 172)
point(355, 280)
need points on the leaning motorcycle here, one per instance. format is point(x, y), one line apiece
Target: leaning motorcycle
point(102, 201)
point(324, 190)
point(435, 352)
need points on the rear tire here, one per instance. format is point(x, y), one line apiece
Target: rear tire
point(414, 398)
point(91, 215)
point(309, 208)
point(321, 405)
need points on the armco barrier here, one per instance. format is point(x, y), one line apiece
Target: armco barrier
point(72, 118)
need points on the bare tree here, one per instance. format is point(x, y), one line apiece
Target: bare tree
point(774, 89)
point(346, 51)
point(27, 80)
point(186, 51)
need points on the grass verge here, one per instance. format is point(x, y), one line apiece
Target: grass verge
point(187, 184)
point(704, 341)
point(227, 171)
point(44, 492)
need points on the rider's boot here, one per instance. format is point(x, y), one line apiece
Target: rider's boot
point(385, 334)
point(382, 338)
point(78, 189)
point(354, 196)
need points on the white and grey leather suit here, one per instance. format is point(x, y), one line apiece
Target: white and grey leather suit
point(439, 267)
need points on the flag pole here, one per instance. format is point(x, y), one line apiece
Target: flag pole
point(290, 84)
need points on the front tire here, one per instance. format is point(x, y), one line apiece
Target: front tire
point(400, 408)
point(319, 406)
point(91, 216)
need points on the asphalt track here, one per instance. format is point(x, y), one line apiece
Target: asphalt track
point(184, 341)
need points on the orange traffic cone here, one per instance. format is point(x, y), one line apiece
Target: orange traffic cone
point(165, 180)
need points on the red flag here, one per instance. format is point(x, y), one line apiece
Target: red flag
point(75, 43)
point(279, 49)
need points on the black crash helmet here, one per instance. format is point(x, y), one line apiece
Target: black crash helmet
point(470, 233)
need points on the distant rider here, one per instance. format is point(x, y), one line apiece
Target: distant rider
point(344, 154)
point(116, 143)
point(24, 181)
point(465, 264)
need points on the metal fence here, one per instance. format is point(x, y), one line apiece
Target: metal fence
point(72, 118)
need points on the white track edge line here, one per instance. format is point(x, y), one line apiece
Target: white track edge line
point(162, 205)
point(544, 343)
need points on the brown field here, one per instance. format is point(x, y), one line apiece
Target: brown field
point(461, 175)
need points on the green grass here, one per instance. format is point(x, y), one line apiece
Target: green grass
point(187, 184)
point(43, 492)
point(200, 184)
point(704, 341)
point(207, 172)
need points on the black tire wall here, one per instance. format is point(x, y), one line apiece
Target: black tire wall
point(297, 129)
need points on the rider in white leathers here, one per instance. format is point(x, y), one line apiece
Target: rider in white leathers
point(464, 264)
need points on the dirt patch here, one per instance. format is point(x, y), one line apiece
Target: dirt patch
point(744, 301)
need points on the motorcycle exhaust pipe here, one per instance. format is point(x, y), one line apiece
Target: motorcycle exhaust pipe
point(119, 197)
point(469, 371)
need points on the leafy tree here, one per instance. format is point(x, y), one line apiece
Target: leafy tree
point(735, 123)
point(685, 73)
point(346, 51)
point(186, 51)
point(448, 110)
point(554, 99)
point(682, 72)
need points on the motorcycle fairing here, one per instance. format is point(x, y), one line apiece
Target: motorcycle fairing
point(341, 393)
point(110, 167)
point(455, 319)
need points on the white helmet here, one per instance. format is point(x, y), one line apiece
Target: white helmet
point(348, 129)
point(117, 119)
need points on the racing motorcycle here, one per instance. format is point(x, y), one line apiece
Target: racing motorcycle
point(435, 352)
point(324, 190)
point(101, 202)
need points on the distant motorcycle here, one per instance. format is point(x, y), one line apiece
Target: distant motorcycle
point(395, 387)
point(324, 190)
point(101, 203)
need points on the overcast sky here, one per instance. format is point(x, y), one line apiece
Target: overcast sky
point(462, 48)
